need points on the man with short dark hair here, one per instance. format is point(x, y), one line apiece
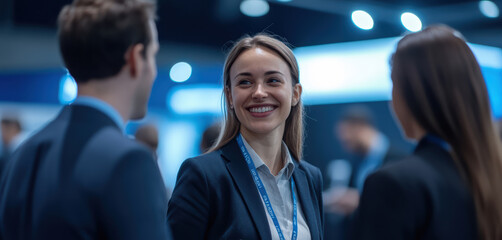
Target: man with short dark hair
point(80, 177)
point(371, 150)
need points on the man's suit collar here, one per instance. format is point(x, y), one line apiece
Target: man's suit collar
point(102, 106)
point(87, 115)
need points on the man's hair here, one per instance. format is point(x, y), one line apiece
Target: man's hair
point(149, 135)
point(12, 122)
point(359, 115)
point(209, 136)
point(94, 35)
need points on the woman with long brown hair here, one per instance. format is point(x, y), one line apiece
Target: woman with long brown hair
point(451, 187)
point(252, 184)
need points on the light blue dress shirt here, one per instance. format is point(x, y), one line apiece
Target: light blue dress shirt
point(373, 160)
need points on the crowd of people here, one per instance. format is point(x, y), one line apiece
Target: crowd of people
point(80, 177)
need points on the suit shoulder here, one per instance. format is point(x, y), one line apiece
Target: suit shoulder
point(409, 170)
point(207, 157)
point(206, 161)
point(314, 173)
point(309, 167)
point(200, 165)
point(108, 149)
point(112, 141)
point(45, 134)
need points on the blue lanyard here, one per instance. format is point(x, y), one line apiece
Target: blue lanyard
point(264, 195)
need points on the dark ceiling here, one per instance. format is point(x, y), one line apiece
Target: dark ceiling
point(214, 23)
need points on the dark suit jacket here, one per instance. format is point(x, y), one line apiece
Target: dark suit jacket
point(421, 197)
point(392, 155)
point(216, 198)
point(81, 178)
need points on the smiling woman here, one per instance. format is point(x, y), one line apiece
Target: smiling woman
point(262, 92)
point(252, 184)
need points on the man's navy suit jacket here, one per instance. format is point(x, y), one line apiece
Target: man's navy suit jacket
point(81, 178)
point(216, 198)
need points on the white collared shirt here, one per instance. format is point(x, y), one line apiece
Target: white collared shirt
point(279, 192)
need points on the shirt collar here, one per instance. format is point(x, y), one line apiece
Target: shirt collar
point(288, 168)
point(102, 106)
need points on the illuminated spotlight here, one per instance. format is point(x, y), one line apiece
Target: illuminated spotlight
point(489, 9)
point(411, 22)
point(284, 0)
point(67, 89)
point(362, 20)
point(180, 72)
point(254, 8)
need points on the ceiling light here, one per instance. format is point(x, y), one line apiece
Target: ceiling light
point(489, 9)
point(411, 22)
point(254, 8)
point(362, 19)
point(180, 72)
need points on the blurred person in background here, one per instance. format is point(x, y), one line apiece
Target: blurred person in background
point(371, 150)
point(450, 188)
point(499, 124)
point(11, 131)
point(252, 184)
point(209, 137)
point(149, 136)
point(80, 177)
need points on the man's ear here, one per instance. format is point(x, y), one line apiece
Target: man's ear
point(134, 59)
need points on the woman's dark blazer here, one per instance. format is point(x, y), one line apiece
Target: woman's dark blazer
point(421, 197)
point(216, 198)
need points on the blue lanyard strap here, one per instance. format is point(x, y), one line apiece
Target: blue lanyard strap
point(264, 195)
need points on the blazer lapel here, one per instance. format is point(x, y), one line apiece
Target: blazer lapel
point(240, 173)
point(306, 201)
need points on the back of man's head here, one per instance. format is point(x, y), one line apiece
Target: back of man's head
point(94, 35)
point(354, 128)
point(358, 115)
point(149, 135)
point(209, 136)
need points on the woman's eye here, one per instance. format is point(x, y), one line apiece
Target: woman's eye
point(274, 80)
point(244, 82)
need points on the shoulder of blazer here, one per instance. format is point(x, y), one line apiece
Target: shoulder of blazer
point(310, 169)
point(394, 154)
point(427, 160)
point(313, 173)
point(205, 167)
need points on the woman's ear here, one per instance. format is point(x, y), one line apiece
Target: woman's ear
point(297, 94)
point(228, 97)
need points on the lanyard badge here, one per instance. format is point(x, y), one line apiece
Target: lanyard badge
point(264, 195)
